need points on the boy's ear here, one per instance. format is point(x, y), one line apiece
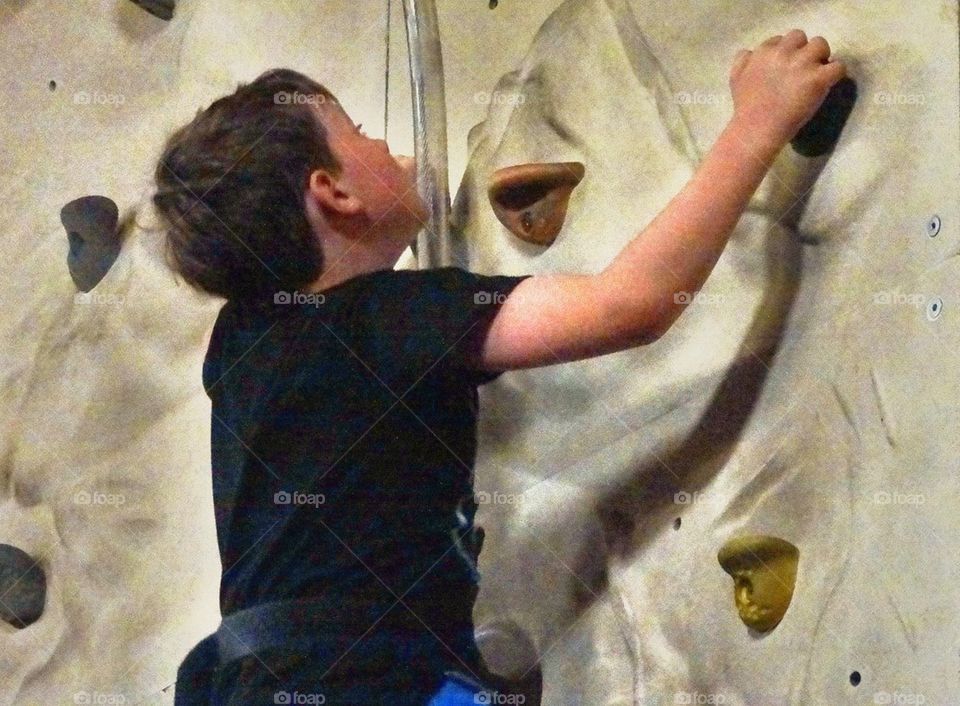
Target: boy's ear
point(331, 194)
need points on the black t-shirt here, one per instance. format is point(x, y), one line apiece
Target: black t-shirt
point(343, 438)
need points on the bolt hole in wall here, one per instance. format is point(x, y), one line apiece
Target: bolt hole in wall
point(935, 306)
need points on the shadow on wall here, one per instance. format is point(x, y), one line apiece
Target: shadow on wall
point(10, 8)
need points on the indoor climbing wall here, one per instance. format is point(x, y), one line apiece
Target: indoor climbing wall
point(807, 398)
point(109, 571)
point(806, 395)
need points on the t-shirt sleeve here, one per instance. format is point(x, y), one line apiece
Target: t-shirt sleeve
point(436, 318)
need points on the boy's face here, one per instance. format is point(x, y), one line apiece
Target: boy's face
point(386, 185)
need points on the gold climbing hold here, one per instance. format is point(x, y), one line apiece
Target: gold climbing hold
point(764, 571)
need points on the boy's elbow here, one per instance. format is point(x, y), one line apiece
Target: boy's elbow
point(650, 327)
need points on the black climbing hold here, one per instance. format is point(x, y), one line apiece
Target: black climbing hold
point(23, 587)
point(158, 8)
point(820, 134)
point(91, 223)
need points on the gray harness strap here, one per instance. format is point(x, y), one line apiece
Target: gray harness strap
point(292, 624)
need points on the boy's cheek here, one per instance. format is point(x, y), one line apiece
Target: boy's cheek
point(408, 164)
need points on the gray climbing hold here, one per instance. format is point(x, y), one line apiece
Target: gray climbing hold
point(158, 8)
point(510, 660)
point(91, 223)
point(23, 587)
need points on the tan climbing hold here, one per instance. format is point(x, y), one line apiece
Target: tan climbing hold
point(531, 199)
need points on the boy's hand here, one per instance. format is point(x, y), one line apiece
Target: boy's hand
point(779, 87)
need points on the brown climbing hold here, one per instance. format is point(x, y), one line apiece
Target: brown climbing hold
point(531, 199)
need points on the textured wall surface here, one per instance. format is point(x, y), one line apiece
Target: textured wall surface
point(808, 393)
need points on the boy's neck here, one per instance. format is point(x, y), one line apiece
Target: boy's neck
point(346, 258)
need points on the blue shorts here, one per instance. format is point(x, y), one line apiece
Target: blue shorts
point(459, 690)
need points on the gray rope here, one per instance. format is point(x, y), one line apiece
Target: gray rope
point(386, 80)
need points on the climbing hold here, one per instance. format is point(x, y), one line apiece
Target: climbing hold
point(764, 571)
point(91, 223)
point(23, 586)
point(819, 136)
point(510, 660)
point(531, 199)
point(933, 226)
point(158, 8)
point(934, 308)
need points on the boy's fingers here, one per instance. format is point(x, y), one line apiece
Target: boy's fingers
point(818, 48)
point(794, 39)
point(834, 71)
point(772, 42)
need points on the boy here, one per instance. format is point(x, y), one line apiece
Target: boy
point(344, 392)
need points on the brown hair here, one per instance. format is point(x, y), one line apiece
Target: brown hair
point(231, 184)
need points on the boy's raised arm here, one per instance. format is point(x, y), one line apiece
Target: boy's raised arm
point(557, 318)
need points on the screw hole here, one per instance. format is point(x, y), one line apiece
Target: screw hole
point(52, 85)
point(855, 678)
point(676, 523)
point(933, 226)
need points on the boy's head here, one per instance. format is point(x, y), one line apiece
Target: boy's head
point(255, 184)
